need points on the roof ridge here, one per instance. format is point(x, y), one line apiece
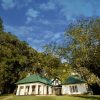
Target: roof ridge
point(74, 80)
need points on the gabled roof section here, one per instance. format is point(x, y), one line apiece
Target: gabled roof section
point(33, 79)
point(55, 79)
point(74, 80)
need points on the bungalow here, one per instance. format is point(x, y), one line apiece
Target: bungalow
point(37, 85)
point(74, 85)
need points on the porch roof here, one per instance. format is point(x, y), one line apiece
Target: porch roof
point(74, 80)
point(34, 78)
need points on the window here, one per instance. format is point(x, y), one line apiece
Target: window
point(21, 87)
point(86, 87)
point(33, 89)
point(56, 82)
point(73, 89)
point(27, 90)
point(47, 89)
point(39, 89)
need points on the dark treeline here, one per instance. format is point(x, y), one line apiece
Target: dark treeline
point(17, 59)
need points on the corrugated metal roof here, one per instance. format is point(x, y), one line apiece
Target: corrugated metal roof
point(33, 79)
point(74, 80)
point(38, 78)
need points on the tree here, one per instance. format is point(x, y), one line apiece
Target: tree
point(1, 24)
point(85, 47)
point(82, 53)
point(17, 59)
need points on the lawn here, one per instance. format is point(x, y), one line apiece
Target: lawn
point(49, 97)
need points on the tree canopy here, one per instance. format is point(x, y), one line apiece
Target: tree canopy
point(17, 59)
point(82, 53)
point(85, 47)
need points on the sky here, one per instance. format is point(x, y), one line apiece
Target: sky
point(40, 22)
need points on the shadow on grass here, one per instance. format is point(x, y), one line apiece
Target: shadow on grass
point(92, 97)
point(5, 94)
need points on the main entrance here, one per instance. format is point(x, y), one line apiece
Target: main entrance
point(57, 90)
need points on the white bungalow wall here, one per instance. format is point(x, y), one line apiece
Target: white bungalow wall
point(42, 90)
point(81, 89)
point(65, 89)
point(50, 90)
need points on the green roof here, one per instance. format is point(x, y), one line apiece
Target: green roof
point(74, 80)
point(33, 79)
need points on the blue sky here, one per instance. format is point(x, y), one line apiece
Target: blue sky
point(42, 21)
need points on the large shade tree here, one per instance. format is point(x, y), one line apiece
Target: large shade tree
point(84, 49)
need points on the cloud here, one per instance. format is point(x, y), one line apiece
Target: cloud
point(28, 34)
point(58, 37)
point(27, 1)
point(70, 9)
point(20, 31)
point(29, 19)
point(35, 39)
point(53, 36)
point(23, 3)
point(7, 4)
point(29, 39)
point(19, 4)
point(44, 21)
point(31, 14)
point(48, 6)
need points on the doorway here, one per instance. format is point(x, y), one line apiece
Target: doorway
point(57, 90)
point(39, 89)
point(27, 90)
point(47, 90)
point(33, 89)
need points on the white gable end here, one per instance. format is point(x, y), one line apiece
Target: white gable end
point(56, 82)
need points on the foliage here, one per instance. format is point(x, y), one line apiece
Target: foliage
point(17, 59)
point(82, 53)
point(1, 25)
point(85, 47)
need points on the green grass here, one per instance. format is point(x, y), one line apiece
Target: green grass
point(5, 96)
point(51, 97)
